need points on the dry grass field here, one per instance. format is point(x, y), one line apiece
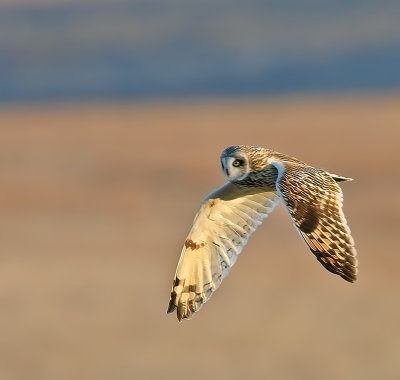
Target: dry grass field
point(95, 204)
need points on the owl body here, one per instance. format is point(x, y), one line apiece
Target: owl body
point(258, 179)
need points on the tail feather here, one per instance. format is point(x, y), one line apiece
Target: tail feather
point(339, 178)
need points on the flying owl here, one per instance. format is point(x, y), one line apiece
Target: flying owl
point(258, 179)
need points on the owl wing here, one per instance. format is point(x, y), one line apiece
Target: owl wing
point(314, 201)
point(220, 230)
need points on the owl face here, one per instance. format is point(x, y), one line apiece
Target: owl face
point(235, 164)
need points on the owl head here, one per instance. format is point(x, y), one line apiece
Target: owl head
point(235, 163)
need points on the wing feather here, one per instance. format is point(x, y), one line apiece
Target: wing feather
point(221, 228)
point(314, 201)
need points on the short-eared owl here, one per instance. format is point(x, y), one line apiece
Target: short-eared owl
point(258, 179)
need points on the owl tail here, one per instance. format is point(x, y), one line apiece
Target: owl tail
point(339, 178)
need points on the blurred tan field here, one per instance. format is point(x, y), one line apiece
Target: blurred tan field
point(96, 201)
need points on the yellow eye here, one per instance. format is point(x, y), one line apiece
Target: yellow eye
point(236, 163)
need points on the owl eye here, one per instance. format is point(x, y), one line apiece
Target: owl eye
point(236, 163)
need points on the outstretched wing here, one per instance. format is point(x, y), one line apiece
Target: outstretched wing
point(314, 201)
point(220, 230)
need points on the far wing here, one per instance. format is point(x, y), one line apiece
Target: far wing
point(314, 201)
point(222, 227)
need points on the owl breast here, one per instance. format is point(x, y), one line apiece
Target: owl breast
point(265, 177)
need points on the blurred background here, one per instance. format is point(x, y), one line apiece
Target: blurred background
point(113, 115)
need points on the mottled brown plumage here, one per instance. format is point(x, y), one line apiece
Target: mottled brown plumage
point(257, 179)
point(314, 201)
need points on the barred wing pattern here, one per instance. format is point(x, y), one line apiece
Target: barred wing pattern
point(220, 230)
point(314, 201)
